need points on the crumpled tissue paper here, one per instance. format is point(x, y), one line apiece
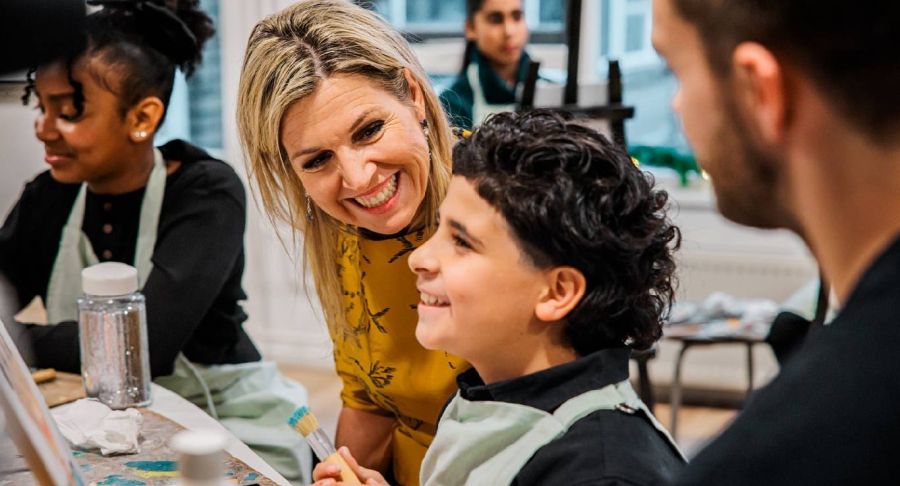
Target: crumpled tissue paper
point(88, 424)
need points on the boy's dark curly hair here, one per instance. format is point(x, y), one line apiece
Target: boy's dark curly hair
point(574, 198)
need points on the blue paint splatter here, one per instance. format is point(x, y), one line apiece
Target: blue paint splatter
point(85, 467)
point(157, 466)
point(117, 480)
point(77, 453)
point(251, 476)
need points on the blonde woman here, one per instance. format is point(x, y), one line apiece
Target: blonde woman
point(347, 142)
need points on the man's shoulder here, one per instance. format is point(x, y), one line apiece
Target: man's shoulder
point(829, 417)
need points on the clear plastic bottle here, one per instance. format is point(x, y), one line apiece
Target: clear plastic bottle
point(112, 327)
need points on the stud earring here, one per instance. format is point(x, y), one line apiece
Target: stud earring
point(140, 135)
point(309, 211)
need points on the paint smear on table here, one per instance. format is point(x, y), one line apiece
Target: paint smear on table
point(154, 469)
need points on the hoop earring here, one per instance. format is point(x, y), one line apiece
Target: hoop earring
point(309, 210)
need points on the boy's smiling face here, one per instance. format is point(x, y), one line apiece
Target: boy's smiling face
point(479, 291)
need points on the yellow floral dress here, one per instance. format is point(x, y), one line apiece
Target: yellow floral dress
point(383, 367)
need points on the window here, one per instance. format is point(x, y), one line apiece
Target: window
point(205, 89)
point(624, 28)
point(195, 108)
point(444, 18)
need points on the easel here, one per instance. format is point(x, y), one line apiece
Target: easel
point(613, 111)
point(28, 421)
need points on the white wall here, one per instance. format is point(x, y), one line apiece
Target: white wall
point(21, 157)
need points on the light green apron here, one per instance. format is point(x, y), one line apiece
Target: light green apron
point(485, 442)
point(252, 400)
point(481, 109)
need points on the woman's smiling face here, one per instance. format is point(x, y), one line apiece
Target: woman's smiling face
point(360, 152)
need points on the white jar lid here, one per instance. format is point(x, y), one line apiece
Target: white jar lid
point(109, 278)
point(200, 454)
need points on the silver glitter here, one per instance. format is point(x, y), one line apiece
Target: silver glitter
point(115, 361)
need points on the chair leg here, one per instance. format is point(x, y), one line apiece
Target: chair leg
point(675, 394)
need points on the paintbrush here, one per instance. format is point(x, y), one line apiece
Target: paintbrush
point(303, 421)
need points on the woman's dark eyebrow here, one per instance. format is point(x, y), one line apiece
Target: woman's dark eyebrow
point(461, 228)
point(360, 119)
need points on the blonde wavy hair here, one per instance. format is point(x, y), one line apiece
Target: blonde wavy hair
point(288, 55)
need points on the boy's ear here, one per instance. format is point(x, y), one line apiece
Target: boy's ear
point(565, 288)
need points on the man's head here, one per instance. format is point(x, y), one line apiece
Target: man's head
point(547, 228)
point(757, 78)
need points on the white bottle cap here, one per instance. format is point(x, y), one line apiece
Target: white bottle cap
point(109, 278)
point(201, 454)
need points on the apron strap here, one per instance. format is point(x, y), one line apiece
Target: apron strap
point(618, 396)
point(76, 253)
point(151, 207)
point(481, 109)
point(497, 456)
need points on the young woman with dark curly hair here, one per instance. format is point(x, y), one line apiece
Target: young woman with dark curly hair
point(552, 260)
point(174, 212)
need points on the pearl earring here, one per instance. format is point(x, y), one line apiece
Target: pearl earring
point(309, 211)
point(427, 133)
point(140, 135)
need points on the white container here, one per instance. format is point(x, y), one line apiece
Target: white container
point(201, 457)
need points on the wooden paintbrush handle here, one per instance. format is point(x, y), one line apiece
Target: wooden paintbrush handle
point(41, 376)
point(347, 475)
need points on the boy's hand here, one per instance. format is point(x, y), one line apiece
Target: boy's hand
point(328, 473)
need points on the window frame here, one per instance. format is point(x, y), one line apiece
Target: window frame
point(416, 32)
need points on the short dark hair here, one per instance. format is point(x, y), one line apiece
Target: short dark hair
point(850, 49)
point(571, 197)
point(143, 41)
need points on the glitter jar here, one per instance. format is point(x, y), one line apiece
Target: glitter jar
point(112, 332)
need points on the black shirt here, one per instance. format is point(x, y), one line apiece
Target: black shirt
point(832, 416)
point(194, 289)
point(606, 447)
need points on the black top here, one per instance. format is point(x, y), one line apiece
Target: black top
point(194, 289)
point(607, 447)
point(832, 416)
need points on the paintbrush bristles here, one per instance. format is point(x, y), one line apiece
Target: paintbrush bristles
point(304, 421)
point(308, 424)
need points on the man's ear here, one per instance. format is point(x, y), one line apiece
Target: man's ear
point(144, 117)
point(762, 90)
point(564, 290)
point(416, 96)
